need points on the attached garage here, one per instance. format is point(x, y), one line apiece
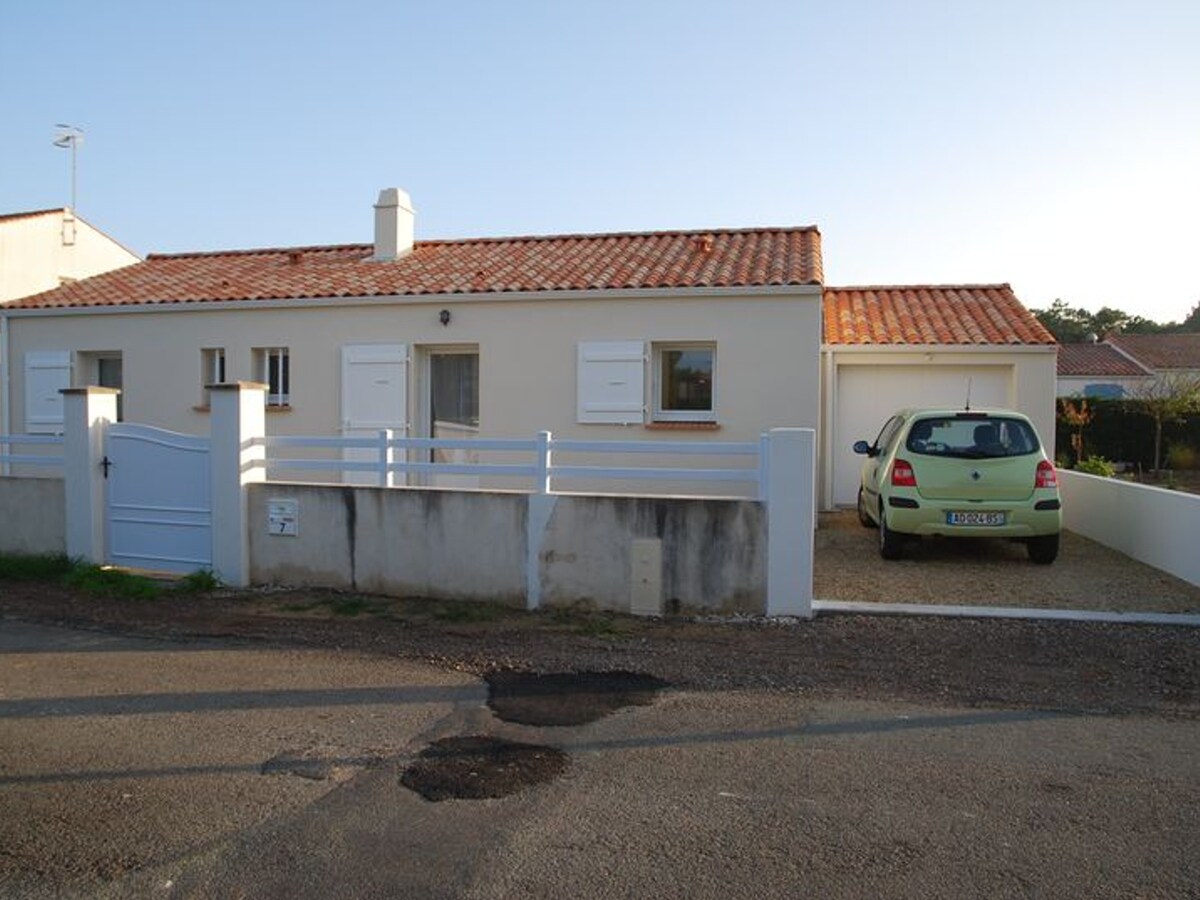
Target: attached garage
point(886, 349)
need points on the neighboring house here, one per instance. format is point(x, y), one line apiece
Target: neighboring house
point(1164, 354)
point(46, 248)
point(1099, 370)
point(886, 348)
point(696, 335)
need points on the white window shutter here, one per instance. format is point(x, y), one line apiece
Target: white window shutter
point(374, 387)
point(611, 382)
point(46, 373)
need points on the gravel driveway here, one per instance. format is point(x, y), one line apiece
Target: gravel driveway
point(1086, 575)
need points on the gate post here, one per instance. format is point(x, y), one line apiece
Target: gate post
point(87, 412)
point(791, 511)
point(238, 458)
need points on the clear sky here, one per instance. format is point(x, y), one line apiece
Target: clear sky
point(1054, 145)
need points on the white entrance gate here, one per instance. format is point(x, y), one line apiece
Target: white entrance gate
point(159, 500)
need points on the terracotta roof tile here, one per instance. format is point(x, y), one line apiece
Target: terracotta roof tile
point(1089, 360)
point(929, 314)
point(675, 259)
point(1160, 351)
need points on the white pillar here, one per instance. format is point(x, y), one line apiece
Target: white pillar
point(791, 520)
point(238, 458)
point(87, 412)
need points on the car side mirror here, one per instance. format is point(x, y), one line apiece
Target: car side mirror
point(862, 448)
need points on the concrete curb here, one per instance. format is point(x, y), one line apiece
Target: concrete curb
point(845, 607)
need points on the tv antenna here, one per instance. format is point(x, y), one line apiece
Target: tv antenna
point(68, 137)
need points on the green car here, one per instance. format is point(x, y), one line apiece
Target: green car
point(960, 473)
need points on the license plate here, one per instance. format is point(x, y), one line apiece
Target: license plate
point(975, 518)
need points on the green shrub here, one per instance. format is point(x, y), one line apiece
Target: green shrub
point(1182, 456)
point(34, 568)
point(1097, 465)
point(202, 581)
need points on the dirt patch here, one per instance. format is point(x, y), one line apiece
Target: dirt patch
point(1082, 665)
point(476, 767)
point(567, 698)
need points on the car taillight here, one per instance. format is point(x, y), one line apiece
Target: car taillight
point(1046, 476)
point(903, 475)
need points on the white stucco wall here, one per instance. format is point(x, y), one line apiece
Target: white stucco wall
point(38, 252)
point(767, 348)
point(1153, 525)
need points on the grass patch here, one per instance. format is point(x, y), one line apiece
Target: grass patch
point(202, 581)
point(349, 606)
point(34, 568)
point(597, 626)
point(111, 583)
point(462, 611)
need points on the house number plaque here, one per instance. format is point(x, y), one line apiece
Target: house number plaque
point(282, 517)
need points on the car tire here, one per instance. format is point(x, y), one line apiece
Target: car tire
point(890, 543)
point(863, 516)
point(1043, 550)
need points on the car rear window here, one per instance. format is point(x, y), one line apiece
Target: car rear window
point(973, 437)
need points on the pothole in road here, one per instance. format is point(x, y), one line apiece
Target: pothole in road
point(567, 698)
point(477, 767)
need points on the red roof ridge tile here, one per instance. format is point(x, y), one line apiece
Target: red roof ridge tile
point(488, 239)
point(1003, 285)
point(262, 251)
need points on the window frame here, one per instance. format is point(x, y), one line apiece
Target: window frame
point(278, 394)
point(213, 368)
point(659, 383)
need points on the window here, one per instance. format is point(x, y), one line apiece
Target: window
point(103, 368)
point(212, 370)
point(272, 368)
point(684, 382)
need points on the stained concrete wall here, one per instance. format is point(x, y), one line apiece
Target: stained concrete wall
point(32, 515)
point(713, 552)
point(416, 541)
point(475, 545)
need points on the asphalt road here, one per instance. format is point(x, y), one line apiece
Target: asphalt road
point(158, 769)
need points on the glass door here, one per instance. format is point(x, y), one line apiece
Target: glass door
point(454, 409)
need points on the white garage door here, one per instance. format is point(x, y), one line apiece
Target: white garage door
point(867, 395)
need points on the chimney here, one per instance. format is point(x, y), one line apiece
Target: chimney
point(393, 224)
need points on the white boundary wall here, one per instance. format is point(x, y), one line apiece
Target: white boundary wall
point(1153, 525)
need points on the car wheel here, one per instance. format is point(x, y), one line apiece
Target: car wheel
point(863, 516)
point(889, 542)
point(1043, 550)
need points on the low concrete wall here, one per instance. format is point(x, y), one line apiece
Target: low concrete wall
point(616, 552)
point(32, 515)
point(1152, 525)
point(701, 553)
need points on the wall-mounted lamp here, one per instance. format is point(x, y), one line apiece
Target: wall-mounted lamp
point(444, 317)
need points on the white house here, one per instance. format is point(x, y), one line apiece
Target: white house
point(1098, 369)
point(45, 248)
point(695, 335)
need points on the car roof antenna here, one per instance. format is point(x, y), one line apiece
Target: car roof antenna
point(969, 381)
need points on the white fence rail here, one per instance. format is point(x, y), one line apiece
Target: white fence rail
point(10, 445)
point(388, 456)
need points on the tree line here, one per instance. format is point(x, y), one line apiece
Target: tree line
point(1071, 325)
